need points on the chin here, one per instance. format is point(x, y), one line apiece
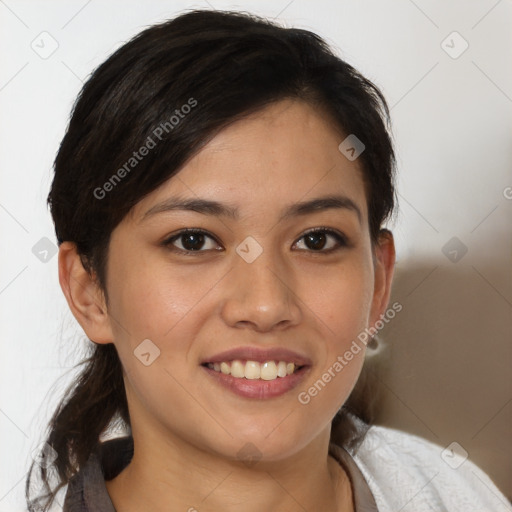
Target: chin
point(268, 444)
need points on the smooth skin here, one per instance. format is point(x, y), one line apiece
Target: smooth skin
point(187, 429)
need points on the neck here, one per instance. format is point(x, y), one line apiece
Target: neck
point(190, 479)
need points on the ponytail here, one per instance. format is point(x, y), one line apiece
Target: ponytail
point(83, 415)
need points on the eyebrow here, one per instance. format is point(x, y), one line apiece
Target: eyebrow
point(209, 207)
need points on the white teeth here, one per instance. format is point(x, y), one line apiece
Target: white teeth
point(237, 369)
point(269, 370)
point(252, 370)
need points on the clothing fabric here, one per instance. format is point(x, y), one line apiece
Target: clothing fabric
point(391, 471)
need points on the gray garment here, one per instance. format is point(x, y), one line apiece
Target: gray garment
point(87, 491)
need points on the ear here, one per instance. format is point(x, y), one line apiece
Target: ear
point(384, 265)
point(84, 295)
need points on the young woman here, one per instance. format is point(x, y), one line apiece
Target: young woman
point(219, 201)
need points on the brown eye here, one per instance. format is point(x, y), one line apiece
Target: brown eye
point(317, 240)
point(191, 240)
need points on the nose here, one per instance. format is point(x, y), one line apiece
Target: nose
point(261, 295)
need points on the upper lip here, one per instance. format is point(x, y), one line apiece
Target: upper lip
point(260, 355)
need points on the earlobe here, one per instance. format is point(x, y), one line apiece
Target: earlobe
point(384, 270)
point(83, 294)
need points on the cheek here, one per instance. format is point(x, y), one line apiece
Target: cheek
point(168, 308)
point(342, 304)
point(150, 300)
point(342, 301)
point(343, 309)
point(153, 325)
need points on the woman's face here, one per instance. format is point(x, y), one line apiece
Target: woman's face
point(252, 287)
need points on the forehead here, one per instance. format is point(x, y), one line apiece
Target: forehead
point(285, 153)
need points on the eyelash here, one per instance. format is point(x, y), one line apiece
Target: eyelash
point(340, 238)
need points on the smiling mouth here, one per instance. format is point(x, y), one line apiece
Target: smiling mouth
point(254, 370)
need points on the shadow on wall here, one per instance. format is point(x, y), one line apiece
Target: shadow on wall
point(444, 368)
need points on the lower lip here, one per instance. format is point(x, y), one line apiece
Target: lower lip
point(259, 388)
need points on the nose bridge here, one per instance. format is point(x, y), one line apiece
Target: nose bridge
point(260, 293)
point(260, 277)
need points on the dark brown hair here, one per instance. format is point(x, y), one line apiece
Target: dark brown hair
point(185, 80)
